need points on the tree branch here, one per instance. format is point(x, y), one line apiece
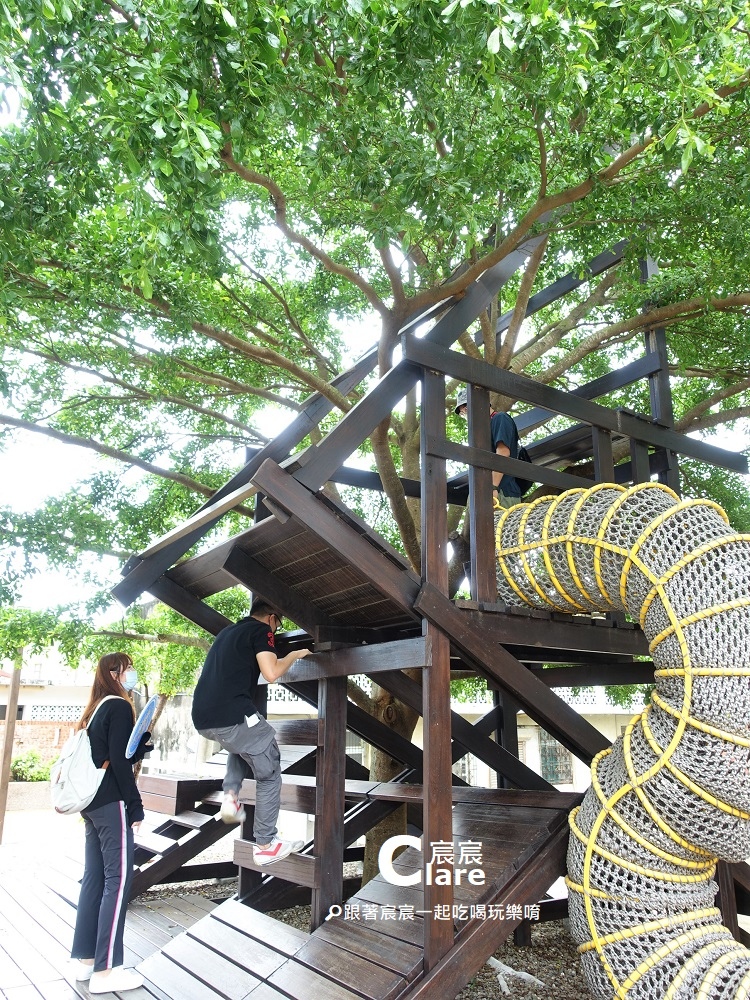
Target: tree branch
point(120, 456)
point(279, 202)
point(164, 638)
point(505, 354)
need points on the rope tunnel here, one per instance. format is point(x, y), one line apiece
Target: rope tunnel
point(672, 795)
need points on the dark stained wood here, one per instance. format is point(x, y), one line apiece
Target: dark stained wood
point(466, 735)
point(296, 732)
point(404, 654)
point(329, 806)
point(175, 856)
point(436, 677)
point(563, 286)
point(352, 970)
point(262, 583)
point(422, 352)
point(300, 983)
point(639, 463)
point(481, 497)
point(604, 466)
point(477, 941)
point(539, 702)
point(300, 868)
point(564, 633)
point(399, 586)
point(726, 899)
point(174, 596)
point(281, 937)
point(633, 372)
point(212, 968)
point(140, 574)
point(476, 458)
point(640, 672)
point(246, 951)
point(360, 939)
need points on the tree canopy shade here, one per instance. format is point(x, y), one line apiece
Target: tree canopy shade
point(200, 199)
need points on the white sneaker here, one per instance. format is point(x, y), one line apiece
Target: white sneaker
point(232, 811)
point(275, 851)
point(82, 972)
point(118, 980)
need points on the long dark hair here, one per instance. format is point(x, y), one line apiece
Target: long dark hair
point(105, 683)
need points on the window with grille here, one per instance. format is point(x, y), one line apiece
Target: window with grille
point(4, 709)
point(556, 761)
point(466, 768)
point(56, 713)
point(355, 747)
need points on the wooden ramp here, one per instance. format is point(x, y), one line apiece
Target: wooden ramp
point(373, 948)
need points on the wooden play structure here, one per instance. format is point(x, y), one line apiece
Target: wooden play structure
point(367, 612)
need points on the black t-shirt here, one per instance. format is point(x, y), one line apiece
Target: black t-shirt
point(109, 733)
point(225, 691)
point(503, 430)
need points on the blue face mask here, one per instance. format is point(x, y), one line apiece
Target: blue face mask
point(129, 679)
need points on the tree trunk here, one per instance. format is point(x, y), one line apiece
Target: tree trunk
point(10, 731)
point(383, 767)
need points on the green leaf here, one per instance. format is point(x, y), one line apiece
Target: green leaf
point(202, 137)
point(193, 101)
point(228, 17)
point(493, 42)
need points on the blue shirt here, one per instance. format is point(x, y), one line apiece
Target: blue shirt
point(503, 430)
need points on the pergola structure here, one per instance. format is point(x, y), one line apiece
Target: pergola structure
point(366, 611)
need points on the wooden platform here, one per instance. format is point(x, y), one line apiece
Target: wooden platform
point(373, 947)
point(37, 917)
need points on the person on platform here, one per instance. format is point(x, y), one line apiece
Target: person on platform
point(224, 711)
point(110, 820)
point(504, 439)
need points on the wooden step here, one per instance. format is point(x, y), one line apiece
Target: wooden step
point(299, 868)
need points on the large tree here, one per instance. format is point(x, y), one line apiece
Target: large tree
point(200, 198)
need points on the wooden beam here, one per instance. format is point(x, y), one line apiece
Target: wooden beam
point(602, 386)
point(479, 939)
point(182, 601)
point(476, 458)
point(481, 498)
point(512, 629)
point(403, 654)
point(139, 573)
point(398, 585)
point(329, 802)
point(640, 672)
point(467, 737)
point(538, 701)
point(436, 677)
point(262, 583)
point(477, 372)
point(568, 283)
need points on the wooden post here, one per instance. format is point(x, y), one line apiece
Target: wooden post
point(659, 384)
point(507, 731)
point(483, 576)
point(604, 466)
point(329, 799)
point(436, 695)
point(9, 734)
point(639, 465)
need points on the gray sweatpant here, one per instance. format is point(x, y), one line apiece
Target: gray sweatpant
point(255, 745)
point(105, 889)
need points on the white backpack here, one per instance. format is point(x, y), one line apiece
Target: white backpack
point(74, 777)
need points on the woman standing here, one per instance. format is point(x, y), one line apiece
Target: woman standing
point(114, 813)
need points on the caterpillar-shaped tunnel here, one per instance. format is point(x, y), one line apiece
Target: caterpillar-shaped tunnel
point(672, 795)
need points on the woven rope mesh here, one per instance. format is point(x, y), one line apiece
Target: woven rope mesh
point(672, 796)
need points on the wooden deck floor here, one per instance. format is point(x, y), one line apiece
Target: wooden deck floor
point(37, 915)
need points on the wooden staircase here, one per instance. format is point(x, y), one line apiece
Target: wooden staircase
point(373, 948)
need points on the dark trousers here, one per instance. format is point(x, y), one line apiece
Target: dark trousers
point(107, 874)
